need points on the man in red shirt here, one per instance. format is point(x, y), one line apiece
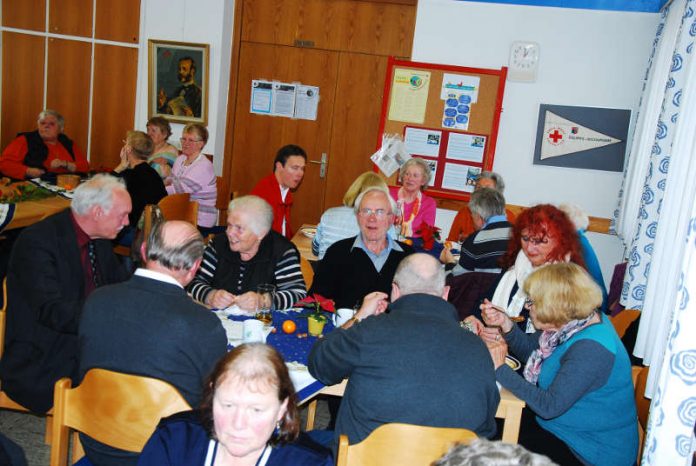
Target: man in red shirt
point(34, 153)
point(288, 171)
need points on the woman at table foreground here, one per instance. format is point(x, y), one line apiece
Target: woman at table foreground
point(164, 154)
point(248, 254)
point(415, 206)
point(193, 173)
point(577, 379)
point(541, 235)
point(339, 223)
point(248, 416)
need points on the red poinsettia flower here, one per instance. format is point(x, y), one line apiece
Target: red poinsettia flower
point(429, 234)
point(317, 303)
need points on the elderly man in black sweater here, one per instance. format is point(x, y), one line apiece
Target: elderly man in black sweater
point(356, 266)
point(411, 362)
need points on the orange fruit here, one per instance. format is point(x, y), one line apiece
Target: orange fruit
point(289, 326)
point(408, 241)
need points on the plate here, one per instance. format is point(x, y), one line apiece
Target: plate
point(309, 232)
point(512, 362)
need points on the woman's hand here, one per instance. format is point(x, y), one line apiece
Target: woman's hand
point(220, 299)
point(495, 316)
point(123, 164)
point(373, 304)
point(248, 301)
point(446, 256)
point(498, 350)
point(166, 170)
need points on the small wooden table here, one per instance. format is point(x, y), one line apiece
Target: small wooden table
point(29, 212)
point(509, 410)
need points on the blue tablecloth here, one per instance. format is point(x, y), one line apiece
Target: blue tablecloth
point(290, 346)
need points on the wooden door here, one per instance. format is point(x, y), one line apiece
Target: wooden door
point(257, 138)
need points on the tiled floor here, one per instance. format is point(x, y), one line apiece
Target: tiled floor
point(29, 430)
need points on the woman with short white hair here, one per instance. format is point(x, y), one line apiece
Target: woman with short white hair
point(416, 208)
point(248, 254)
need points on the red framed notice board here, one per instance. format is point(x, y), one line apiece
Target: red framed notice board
point(449, 116)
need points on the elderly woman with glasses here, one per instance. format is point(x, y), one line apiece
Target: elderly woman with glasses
point(248, 416)
point(577, 379)
point(542, 234)
point(415, 207)
point(193, 173)
point(247, 255)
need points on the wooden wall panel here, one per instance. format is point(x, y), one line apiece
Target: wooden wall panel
point(22, 83)
point(68, 85)
point(379, 28)
point(71, 17)
point(360, 84)
point(24, 14)
point(118, 20)
point(115, 73)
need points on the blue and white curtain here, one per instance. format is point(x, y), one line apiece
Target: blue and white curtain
point(657, 221)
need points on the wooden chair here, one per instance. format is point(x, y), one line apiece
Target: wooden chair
point(402, 444)
point(5, 401)
point(623, 319)
point(307, 271)
point(640, 379)
point(179, 207)
point(119, 410)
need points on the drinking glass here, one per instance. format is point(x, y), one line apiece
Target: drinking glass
point(264, 306)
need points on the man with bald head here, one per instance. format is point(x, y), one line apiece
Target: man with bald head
point(150, 326)
point(409, 362)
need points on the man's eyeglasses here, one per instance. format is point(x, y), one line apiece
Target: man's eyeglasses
point(379, 213)
point(535, 241)
point(183, 140)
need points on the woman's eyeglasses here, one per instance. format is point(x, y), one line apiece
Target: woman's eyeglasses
point(535, 241)
point(528, 302)
point(183, 140)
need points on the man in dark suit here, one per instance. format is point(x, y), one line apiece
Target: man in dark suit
point(149, 325)
point(55, 264)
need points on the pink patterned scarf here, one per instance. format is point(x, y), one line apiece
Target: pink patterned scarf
point(548, 341)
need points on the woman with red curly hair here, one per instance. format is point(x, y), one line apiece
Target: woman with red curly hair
point(542, 235)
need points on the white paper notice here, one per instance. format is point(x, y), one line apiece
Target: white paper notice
point(306, 102)
point(460, 177)
point(422, 141)
point(261, 96)
point(467, 147)
point(283, 99)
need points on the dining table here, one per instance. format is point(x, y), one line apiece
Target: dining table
point(27, 213)
point(295, 348)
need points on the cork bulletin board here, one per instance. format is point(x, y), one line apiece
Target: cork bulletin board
point(449, 116)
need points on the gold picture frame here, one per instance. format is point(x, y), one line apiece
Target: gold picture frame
point(178, 75)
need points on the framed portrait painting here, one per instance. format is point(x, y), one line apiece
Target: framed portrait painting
point(178, 81)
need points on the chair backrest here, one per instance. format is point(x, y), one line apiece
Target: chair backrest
point(402, 444)
point(119, 410)
point(623, 319)
point(3, 315)
point(642, 403)
point(307, 271)
point(179, 207)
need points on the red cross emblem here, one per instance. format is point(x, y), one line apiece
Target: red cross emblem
point(555, 136)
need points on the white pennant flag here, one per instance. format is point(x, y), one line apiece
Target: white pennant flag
point(562, 137)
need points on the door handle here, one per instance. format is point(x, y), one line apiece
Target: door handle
point(323, 162)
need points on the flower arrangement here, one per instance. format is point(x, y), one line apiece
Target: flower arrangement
point(318, 306)
point(429, 234)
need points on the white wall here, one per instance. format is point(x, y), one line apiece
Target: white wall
point(588, 58)
point(199, 21)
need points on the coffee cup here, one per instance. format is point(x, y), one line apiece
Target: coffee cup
point(342, 316)
point(253, 331)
